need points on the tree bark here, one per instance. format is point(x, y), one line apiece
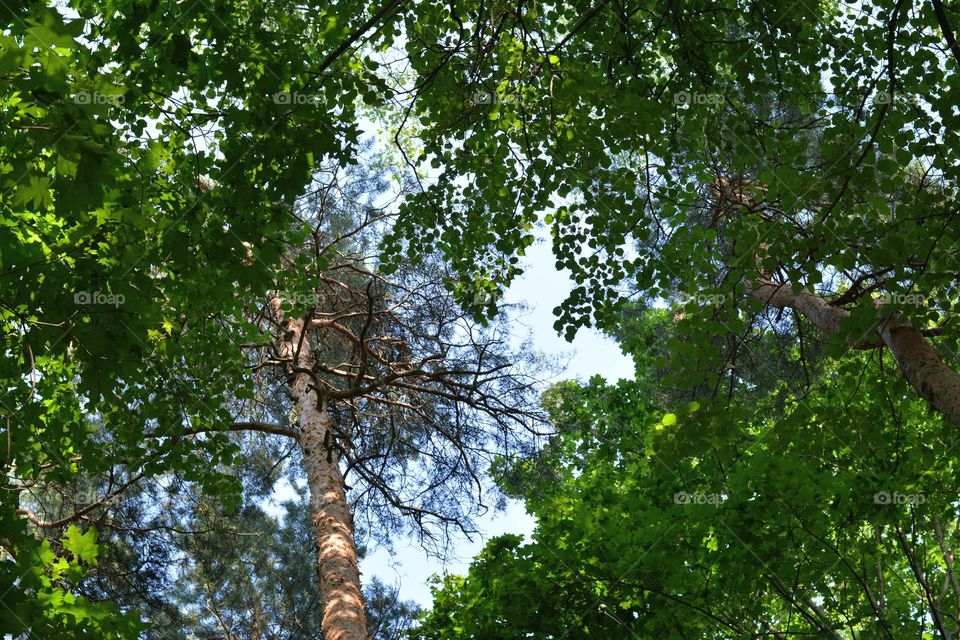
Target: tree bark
point(921, 365)
point(919, 362)
point(344, 616)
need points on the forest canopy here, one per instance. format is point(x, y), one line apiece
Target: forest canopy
point(254, 259)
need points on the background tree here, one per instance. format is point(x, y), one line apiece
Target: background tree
point(829, 516)
point(191, 568)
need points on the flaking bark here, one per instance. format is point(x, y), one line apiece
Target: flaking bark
point(344, 615)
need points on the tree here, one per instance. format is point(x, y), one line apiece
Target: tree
point(176, 557)
point(689, 525)
point(388, 376)
point(784, 178)
point(124, 269)
point(391, 378)
point(787, 162)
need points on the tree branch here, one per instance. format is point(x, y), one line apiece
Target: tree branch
point(921, 365)
point(52, 524)
point(262, 427)
point(946, 29)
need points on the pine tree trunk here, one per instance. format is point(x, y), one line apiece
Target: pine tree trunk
point(344, 617)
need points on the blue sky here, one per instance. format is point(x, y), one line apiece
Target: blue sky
point(541, 288)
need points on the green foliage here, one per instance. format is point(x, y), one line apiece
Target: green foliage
point(749, 483)
point(718, 520)
point(622, 118)
point(123, 275)
point(46, 601)
point(125, 279)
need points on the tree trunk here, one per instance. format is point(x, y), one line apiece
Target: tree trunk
point(344, 617)
point(919, 362)
point(921, 365)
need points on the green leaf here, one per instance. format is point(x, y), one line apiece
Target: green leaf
point(82, 545)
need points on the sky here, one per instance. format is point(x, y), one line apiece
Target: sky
point(541, 288)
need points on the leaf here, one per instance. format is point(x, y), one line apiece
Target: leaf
point(82, 545)
point(34, 192)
